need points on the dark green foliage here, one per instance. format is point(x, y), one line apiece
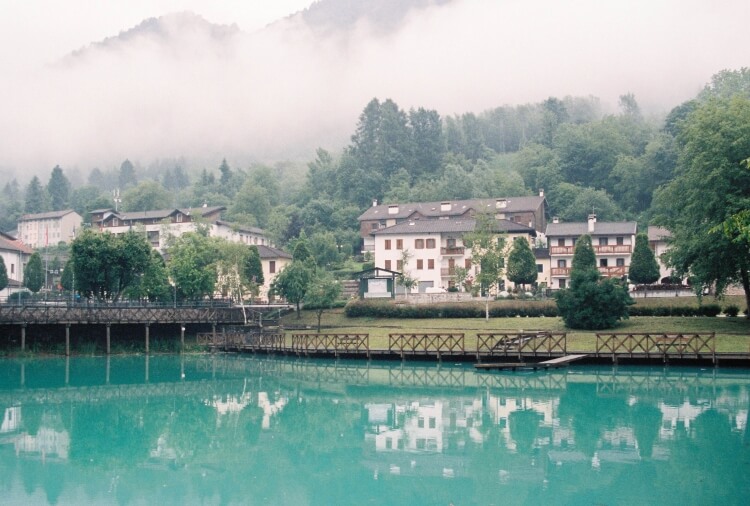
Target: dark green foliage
point(643, 267)
point(504, 309)
point(66, 278)
point(191, 266)
point(301, 252)
point(732, 310)
point(3, 274)
point(253, 267)
point(322, 292)
point(127, 177)
point(36, 197)
point(521, 263)
point(292, 283)
point(591, 302)
point(33, 274)
point(58, 189)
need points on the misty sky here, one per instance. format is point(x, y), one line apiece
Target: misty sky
point(279, 92)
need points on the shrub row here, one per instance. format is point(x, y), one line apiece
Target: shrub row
point(389, 309)
point(506, 309)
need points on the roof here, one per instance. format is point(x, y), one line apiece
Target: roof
point(577, 229)
point(46, 216)
point(658, 233)
point(457, 207)
point(448, 226)
point(165, 213)
point(9, 243)
point(241, 228)
point(269, 252)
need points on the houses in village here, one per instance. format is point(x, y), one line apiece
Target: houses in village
point(432, 235)
point(15, 255)
point(49, 229)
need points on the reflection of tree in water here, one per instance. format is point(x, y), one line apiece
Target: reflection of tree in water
point(646, 422)
point(524, 426)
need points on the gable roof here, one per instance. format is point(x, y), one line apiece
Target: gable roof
point(658, 233)
point(162, 214)
point(46, 216)
point(448, 226)
point(577, 229)
point(241, 228)
point(9, 243)
point(269, 252)
point(457, 208)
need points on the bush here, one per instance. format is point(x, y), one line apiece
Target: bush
point(709, 310)
point(731, 310)
point(593, 304)
point(505, 309)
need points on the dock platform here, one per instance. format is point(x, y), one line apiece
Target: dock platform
point(547, 364)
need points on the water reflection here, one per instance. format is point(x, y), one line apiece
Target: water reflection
point(234, 430)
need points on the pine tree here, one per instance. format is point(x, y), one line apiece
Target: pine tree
point(33, 274)
point(36, 197)
point(521, 268)
point(3, 274)
point(58, 189)
point(643, 266)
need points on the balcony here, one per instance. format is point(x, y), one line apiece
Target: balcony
point(561, 250)
point(610, 272)
point(456, 250)
point(613, 249)
point(448, 272)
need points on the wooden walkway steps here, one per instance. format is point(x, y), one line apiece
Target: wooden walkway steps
point(547, 364)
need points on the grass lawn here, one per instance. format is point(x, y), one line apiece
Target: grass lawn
point(732, 334)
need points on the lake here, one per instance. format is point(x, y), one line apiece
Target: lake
point(226, 429)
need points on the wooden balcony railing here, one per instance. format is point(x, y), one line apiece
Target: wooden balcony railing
point(456, 250)
point(613, 249)
point(447, 272)
point(610, 272)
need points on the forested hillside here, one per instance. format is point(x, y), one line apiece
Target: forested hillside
point(584, 160)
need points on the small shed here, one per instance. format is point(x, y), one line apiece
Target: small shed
point(377, 283)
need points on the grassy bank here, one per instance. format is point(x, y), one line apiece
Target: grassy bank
point(732, 334)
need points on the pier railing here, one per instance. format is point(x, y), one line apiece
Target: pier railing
point(426, 344)
point(336, 344)
point(666, 345)
point(521, 343)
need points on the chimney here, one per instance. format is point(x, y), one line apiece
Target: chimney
point(541, 192)
point(555, 219)
point(393, 209)
point(374, 202)
point(592, 221)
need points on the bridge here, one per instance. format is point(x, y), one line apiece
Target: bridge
point(28, 315)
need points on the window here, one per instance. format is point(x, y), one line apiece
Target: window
point(179, 218)
point(620, 241)
point(603, 241)
point(12, 268)
point(620, 262)
point(272, 266)
point(387, 245)
point(373, 226)
point(388, 264)
point(562, 283)
point(602, 262)
point(562, 263)
point(399, 265)
point(420, 264)
point(540, 268)
point(115, 222)
point(418, 243)
point(430, 263)
point(561, 242)
point(430, 243)
point(399, 244)
point(451, 242)
point(467, 263)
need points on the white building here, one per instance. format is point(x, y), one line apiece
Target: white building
point(48, 229)
point(15, 255)
point(239, 233)
point(613, 244)
point(657, 240)
point(436, 248)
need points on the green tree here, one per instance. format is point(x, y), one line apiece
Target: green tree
point(643, 266)
point(521, 263)
point(36, 197)
point(146, 196)
point(33, 274)
point(292, 283)
point(66, 278)
point(126, 177)
point(301, 251)
point(3, 274)
point(58, 189)
point(254, 267)
point(591, 302)
point(405, 278)
point(11, 206)
point(487, 252)
point(711, 184)
point(155, 280)
point(192, 266)
point(322, 292)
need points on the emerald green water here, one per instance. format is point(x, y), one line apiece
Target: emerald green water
point(238, 430)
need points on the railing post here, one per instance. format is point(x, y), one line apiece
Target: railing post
point(108, 339)
point(147, 340)
point(182, 338)
point(67, 339)
point(23, 337)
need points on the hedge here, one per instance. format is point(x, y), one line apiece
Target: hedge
point(504, 309)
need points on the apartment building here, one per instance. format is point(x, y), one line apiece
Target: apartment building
point(436, 248)
point(49, 229)
point(612, 241)
point(528, 211)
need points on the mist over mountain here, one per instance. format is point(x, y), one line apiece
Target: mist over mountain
point(179, 85)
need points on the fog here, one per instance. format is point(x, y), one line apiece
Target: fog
point(280, 92)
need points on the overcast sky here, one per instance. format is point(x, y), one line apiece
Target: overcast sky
point(279, 93)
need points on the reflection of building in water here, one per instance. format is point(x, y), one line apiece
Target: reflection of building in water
point(233, 404)
point(679, 418)
point(11, 420)
point(500, 409)
point(270, 408)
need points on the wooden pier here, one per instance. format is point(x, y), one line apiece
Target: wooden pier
point(554, 363)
